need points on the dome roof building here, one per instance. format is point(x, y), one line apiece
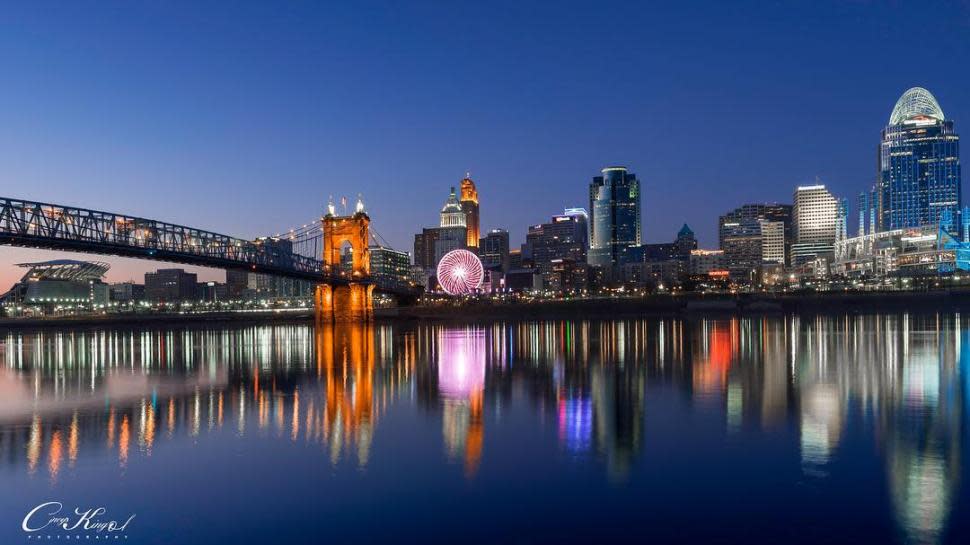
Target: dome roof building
point(918, 181)
point(451, 213)
point(916, 105)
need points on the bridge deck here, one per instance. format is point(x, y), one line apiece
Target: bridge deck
point(55, 227)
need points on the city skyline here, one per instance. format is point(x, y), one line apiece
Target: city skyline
point(146, 162)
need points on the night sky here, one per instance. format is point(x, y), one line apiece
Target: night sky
point(243, 119)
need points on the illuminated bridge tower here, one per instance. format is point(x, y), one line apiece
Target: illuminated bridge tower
point(353, 300)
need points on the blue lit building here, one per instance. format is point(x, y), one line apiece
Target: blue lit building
point(919, 165)
point(614, 216)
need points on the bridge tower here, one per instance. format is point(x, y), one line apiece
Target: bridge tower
point(352, 301)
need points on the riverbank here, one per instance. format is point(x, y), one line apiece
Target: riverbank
point(696, 305)
point(165, 319)
point(682, 305)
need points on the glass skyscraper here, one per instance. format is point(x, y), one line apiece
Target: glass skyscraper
point(614, 216)
point(919, 165)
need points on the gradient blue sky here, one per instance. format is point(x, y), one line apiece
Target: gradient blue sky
point(243, 118)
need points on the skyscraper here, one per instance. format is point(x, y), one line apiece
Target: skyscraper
point(740, 236)
point(772, 242)
point(451, 234)
point(493, 250)
point(452, 231)
point(469, 205)
point(919, 164)
point(614, 214)
point(452, 214)
point(816, 221)
point(564, 237)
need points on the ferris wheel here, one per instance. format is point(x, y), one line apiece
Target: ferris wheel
point(460, 272)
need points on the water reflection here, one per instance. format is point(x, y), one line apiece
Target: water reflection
point(900, 379)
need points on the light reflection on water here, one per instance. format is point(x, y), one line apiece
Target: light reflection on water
point(895, 380)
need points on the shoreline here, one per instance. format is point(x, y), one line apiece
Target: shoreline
point(653, 306)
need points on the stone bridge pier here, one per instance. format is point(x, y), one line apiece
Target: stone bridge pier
point(352, 301)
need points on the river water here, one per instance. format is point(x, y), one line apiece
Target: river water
point(787, 429)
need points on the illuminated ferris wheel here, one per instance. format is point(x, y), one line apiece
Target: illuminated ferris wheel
point(460, 272)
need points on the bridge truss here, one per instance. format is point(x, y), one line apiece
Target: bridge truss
point(50, 226)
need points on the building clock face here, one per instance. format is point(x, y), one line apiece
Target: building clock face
point(460, 272)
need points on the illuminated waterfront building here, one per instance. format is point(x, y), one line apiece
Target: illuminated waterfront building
point(452, 214)
point(494, 250)
point(614, 216)
point(213, 291)
point(125, 292)
point(900, 252)
point(424, 247)
point(815, 220)
point(469, 205)
point(250, 286)
point(773, 242)
point(663, 262)
point(563, 237)
point(59, 283)
point(919, 164)
point(704, 262)
point(171, 286)
point(567, 276)
point(679, 249)
point(518, 261)
point(389, 266)
point(583, 214)
point(740, 237)
point(451, 234)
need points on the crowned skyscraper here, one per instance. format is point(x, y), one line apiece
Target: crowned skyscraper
point(451, 234)
point(919, 165)
point(469, 205)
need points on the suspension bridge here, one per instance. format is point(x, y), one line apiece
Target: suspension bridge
point(310, 252)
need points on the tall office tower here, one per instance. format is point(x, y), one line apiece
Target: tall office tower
point(919, 164)
point(685, 242)
point(424, 247)
point(563, 238)
point(582, 215)
point(451, 234)
point(469, 205)
point(452, 214)
point(493, 250)
point(842, 221)
point(873, 209)
point(773, 242)
point(452, 231)
point(741, 243)
point(815, 217)
point(614, 214)
point(739, 235)
point(863, 212)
